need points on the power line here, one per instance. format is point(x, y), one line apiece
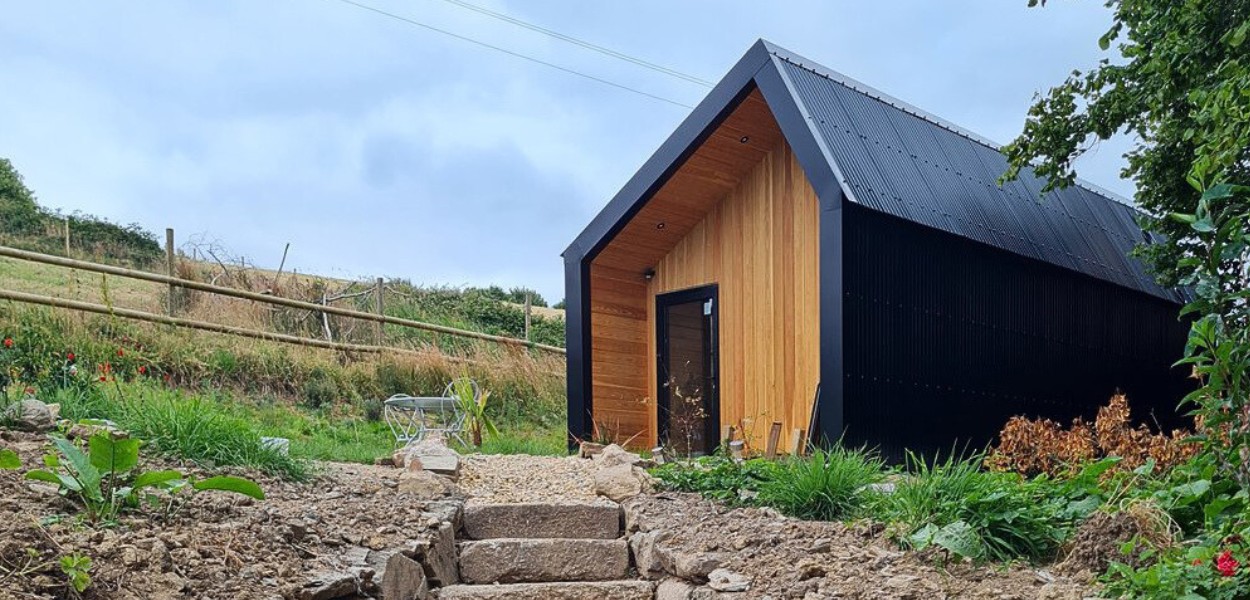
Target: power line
point(583, 43)
point(513, 53)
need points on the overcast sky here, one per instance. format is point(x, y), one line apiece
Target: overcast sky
point(378, 148)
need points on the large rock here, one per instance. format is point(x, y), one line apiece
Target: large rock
point(432, 454)
point(534, 561)
point(586, 521)
point(642, 545)
point(621, 482)
point(582, 590)
point(688, 564)
point(329, 585)
point(438, 556)
point(724, 580)
point(404, 579)
point(674, 589)
point(30, 414)
point(424, 485)
point(613, 455)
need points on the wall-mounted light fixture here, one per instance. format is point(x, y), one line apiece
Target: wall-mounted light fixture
point(648, 274)
point(744, 139)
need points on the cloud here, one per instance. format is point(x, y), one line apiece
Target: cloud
point(380, 148)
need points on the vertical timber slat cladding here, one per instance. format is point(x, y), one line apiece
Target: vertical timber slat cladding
point(620, 357)
point(948, 338)
point(759, 245)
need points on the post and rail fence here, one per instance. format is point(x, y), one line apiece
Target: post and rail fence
point(377, 317)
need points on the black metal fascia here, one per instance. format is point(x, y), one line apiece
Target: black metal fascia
point(577, 358)
point(830, 186)
point(654, 173)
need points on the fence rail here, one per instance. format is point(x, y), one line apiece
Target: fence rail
point(175, 282)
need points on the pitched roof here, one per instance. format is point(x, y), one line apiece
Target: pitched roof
point(897, 159)
point(891, 157)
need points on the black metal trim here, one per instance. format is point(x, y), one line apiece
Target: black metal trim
point(712, 358)
point(576, 339)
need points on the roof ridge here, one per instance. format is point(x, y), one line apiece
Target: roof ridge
point(924, 115)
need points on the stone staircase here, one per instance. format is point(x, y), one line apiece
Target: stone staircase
point(551, 551)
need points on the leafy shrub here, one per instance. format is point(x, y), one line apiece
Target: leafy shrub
point(105, 479)
point(980, 515)
point(717, 477)
point(320, 390)
point(827, 486)
point(1032, 447)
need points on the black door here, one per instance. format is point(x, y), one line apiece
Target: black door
point(686, 340)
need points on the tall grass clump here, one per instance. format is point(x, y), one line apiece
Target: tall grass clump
point(829, 485)
point(951, 503)
point(201, 429)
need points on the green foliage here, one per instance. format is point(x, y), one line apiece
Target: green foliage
point(1218, 271)
point(472, 402)
point(829, 485)
point(488, 310)
point(1211, 568)
point(976, 514)
point(9, 460)
point(718, 477)
point(77, 568)
point(1180, 88)
point(104, 480)
point(25, 224)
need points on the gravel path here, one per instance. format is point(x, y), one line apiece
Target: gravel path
point(504, 479)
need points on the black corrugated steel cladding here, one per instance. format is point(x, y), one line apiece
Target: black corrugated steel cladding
point(896, 161)
point(945, 339)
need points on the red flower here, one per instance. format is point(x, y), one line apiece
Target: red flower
point(143, 370)
point(70, 357)
point(121, 352)
point(1197, 562)
point(1226, 564)
point(8, 342)
point(103, 378)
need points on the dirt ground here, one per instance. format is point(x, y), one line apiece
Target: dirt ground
point(218, 546)
point(225, 546)
point(789, 558)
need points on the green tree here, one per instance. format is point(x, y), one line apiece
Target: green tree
point(19, 213)
point(1179, 84)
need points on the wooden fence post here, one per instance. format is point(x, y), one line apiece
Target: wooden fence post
point(774, 436)
point(169, 266)
point(67, 238)
point(528, 308)
point(377, 307)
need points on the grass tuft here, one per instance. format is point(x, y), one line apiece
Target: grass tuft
point(828, 486)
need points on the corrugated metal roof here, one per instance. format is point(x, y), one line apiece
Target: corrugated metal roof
point(899, 160)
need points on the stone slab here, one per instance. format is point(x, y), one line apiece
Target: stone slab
point(582, 521)
point(588, 590)
point(543, 560)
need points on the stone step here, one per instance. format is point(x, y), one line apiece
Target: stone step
point(582, 521)
point(583, 590)
point(510, 560)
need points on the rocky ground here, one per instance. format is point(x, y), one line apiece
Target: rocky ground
point(331, 531)
point(527, 479)
point(331, 537)
point(785, 558)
